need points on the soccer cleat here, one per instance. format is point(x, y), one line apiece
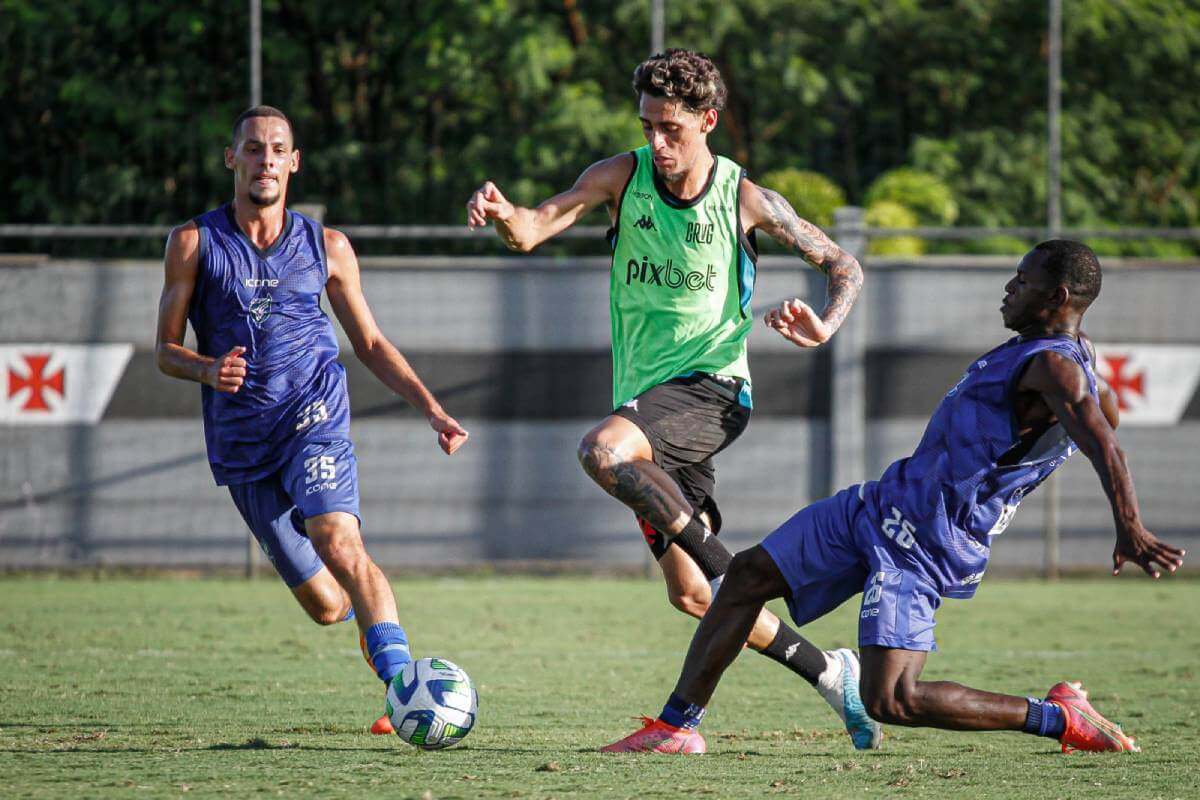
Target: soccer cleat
point(840, 690)
point(1086, 729)
point(657, 736)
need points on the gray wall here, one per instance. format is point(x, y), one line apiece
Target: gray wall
point(135, 489)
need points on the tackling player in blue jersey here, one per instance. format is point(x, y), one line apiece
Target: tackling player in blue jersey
point(924, 530)
point(249, 277)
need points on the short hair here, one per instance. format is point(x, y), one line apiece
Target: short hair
point(684, 75)
point(261, 111)
point(1074, 265)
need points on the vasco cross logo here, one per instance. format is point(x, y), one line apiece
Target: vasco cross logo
point(260, 309)
point(645, 223)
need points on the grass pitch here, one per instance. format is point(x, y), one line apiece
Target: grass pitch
point(223, 688)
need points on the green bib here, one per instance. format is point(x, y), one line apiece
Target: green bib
point(682, 276)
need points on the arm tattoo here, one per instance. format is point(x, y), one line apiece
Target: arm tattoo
point(845, 282)
point(844, 274)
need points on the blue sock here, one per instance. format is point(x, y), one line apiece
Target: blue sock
point(680, 713)
point(388, 647)
point(1045, 719)
point(349, 615)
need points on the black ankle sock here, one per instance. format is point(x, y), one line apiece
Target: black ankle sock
point(796, 653)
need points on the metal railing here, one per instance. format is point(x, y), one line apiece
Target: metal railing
point(844, 227)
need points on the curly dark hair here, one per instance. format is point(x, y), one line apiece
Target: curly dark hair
point(684, 75)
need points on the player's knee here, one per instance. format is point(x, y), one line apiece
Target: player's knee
point(893, 704)
point(749, 578)
point(692, 602)
point(339, 547)
point(597, 458)
point(326, 615)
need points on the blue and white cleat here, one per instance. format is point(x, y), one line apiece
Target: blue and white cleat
point(839, 686)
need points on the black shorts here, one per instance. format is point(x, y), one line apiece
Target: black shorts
point(688, 421)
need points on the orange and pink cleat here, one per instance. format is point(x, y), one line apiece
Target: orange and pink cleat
point(657, 736)
point(1086, 730)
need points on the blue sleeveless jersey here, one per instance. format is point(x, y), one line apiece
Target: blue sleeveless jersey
point(943, 504)
point(268, 301)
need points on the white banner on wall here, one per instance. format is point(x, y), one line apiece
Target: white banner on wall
point(58, 384)
point(1153, 383)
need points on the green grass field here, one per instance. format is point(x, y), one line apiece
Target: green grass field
point(223, 688)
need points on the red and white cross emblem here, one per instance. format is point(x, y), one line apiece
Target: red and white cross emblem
point(37, 381)
point(1123, 384)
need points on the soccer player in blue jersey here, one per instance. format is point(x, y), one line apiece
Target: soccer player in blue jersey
point(249, 277)
point(923, 531)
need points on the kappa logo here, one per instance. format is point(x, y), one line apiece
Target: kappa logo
point(260, 309)
point(645, 223)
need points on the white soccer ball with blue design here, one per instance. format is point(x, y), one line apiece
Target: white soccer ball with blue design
point(432, 703)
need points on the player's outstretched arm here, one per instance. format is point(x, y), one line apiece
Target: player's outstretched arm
point(523, 229)
point(1063, 385)
point(225, 374)
point(344, 288)
point(767, 211)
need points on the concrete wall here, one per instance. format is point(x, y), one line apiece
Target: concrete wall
point(520, 354)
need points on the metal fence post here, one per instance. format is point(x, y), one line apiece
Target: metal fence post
point(847, 406)
point(1052, 547)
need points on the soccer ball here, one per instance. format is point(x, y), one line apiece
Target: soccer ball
point(431, 703)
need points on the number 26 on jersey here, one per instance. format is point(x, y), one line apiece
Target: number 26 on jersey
point(898, 529)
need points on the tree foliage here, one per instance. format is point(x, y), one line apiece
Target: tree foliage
point(117, 111)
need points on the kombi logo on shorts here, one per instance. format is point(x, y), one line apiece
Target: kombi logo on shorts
point(669, 275)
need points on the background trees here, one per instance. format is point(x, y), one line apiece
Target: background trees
point(117, 111)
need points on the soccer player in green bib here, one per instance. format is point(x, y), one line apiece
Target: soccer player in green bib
point(683, 225)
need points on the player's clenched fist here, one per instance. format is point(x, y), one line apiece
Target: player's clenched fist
point(487, 203)
point(451, 435)
point(228, 373)
point(799, 324)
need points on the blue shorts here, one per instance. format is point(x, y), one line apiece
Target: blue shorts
point(320, 478)
point(831, 551)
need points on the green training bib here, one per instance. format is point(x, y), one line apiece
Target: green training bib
point(682, 276)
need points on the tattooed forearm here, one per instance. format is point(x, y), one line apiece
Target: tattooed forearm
point(785, 226)
point(845, 276)
point(845, 282)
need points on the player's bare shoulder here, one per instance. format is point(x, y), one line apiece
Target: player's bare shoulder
point(609, 175)
point(339, 253)
point(183, 244)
